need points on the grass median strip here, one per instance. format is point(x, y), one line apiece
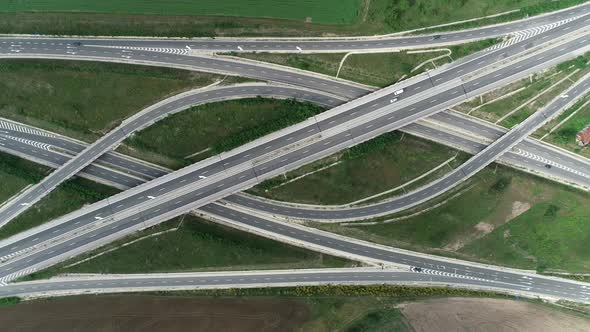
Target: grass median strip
point(209, 129)
point(369, 168)
point(197, 245)
point(82, 99)
point(378, 69)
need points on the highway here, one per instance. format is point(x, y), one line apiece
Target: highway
point(137, 122)
point(247, 279)
point(124, 172)
point(152, 114)
point(56, 48)
point(313, 45)
point(554, 55)
point(452, 179)
point(134, 209)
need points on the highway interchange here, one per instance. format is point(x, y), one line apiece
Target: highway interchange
point(473, 64)
point(332, 137)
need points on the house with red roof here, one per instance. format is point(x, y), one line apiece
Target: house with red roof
point(583, 137)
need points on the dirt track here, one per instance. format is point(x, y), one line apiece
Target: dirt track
point(473, 314)
point(154, 313)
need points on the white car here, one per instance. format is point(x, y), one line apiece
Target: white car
point(393, 100)
point(398, 92)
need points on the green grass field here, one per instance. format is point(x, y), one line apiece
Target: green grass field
point(377, 69)
point(504, 217)
point(16, 174)
point(217, 127)
point(323, 11)
point(198, 245)
point(253, 18)
point(367, 169)
point(85, 99)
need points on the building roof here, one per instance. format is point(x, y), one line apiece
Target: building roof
point(584, 135)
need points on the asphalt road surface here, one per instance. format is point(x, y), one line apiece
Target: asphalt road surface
point(244, 279)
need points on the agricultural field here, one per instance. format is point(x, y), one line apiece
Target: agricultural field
point(294, 311)
point(210, 18)
point(323, 11)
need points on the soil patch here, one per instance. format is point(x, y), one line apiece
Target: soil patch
point(154, 313)
point(473, 314)
point(518, 208)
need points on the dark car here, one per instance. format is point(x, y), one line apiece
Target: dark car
point(416, 269)
point(437, 37)
point(547, 166)
point(77, 43)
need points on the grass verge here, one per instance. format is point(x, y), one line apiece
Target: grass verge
point(197, 245)
point(378, 69)
point(207, 130)
point(82, 99)
point(380, 164)
point(497, 105)
point(16, 174)
point(506, 217)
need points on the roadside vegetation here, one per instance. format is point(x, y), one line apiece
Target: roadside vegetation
point(16, 174)
point(261, 18)
point(206, 130)
point(376, 69)
point(565, 136)
point(189, 243)
point(502, 216)
point(83, 99)
point(513, 103)
point(375, 166)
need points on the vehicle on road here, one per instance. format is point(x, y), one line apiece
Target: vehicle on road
point(393, 100)
point(416, 269)
point(547, 166)
point(398, 92)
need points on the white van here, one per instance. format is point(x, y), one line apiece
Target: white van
point(398, 92)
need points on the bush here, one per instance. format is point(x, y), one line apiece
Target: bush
point(8, 301)
point(551, 210)
point(501, 185)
